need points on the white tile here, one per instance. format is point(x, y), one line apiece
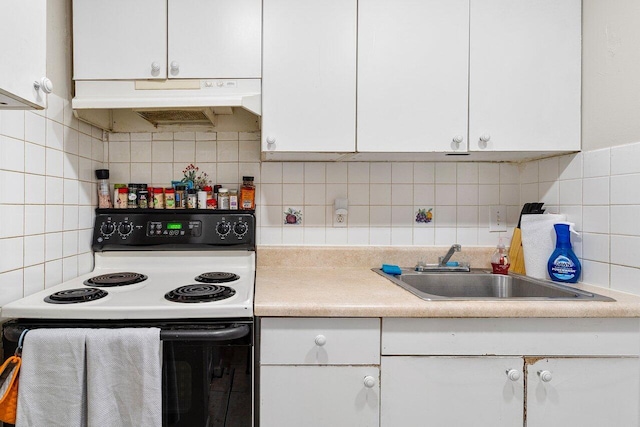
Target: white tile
point(446, 194)
point(71, 140)
point(85, 216)
point(54, 218)
point(624, 220)
point(570, 166)
point(358, 173)
point(595, 219)
point(69, 243)
point(401, 173)
point(271, 194)
point(227, 173)
point(575, 215)
point(596, 191)
point(424, 236)
point(34, 249)
point(54, 190)
point(141, 172)
point(314, 194)
point(34, 219)
point(483, 216)
point(250, 169)
point(292, 194)
point(70, 166)
point(314, 216)
point(358, 216)
point(33, 279)
point(11, 250)
point(595, 247)
point(12, 153)
point(84, 127)
point(528, 192)
point(529, 172)
point(509, 194)
point(424, 194)
point(489, 194)
point(445, 236)
point(11, 187)
point(292, 235)
point(380, 194)
point(71, 192)
point(54, 162)
point(228, 151)
point(595, 273)
point(380, 173)
point(69, 268)
point(249, 151)
point(161, 174)
point(402, 216)
point(358, 236)
point(12, 123)
point(140, 151)
point(55, 135)
point(70, 218)
point(11, 288)
point(335, 191)
point(401, 236)
point(11, 220)
point(625, 279)
point(271, 216)
point(625, 189)
point(314, 173)
point(570, 192)
point(270, 236)
point(509, 173)
point(292, 172)
point(84, 241)
point(161, 151)
point(34, 158)
point(358, 194)
point(445, 216)
point(424, 173)
point(624, 250)
point(548, 170)
point(206, 136)
point(380, 236)
point(84, 145)
point(53, 246)
point(162, 136)
point(402, 194)
point(467, 194)
point(489, 173)
point(271, 173)
point(446, 173)
point(487, 238)
point(36, 186)
point(35, 129)
point(249, 136)
point(85, 193)
point(184, 136)
point(337, 236)
point(52, 273)
point(467, 173)
point(467, 236)
point(625, 159)
point(228, 136)
point(206, 151)
point(380, 216)
point(597, 163)
point(336, 173)
point(467, 216)
point(314, 236)
point(548, 193)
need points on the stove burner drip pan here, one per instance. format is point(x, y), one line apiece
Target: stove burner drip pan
point(199, 293)
point(217, 277)
point(78, 295)
point(115, 279)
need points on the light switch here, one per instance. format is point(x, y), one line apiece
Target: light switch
point(498, 218)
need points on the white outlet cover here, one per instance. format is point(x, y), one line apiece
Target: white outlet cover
point(497, 218)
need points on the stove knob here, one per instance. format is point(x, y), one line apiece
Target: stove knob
point(223, 228)
point(240, 229)
point(107, 229)
point(125, 229)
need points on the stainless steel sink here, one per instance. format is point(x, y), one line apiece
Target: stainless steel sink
point(482, 285)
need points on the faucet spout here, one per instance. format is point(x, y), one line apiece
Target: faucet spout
point(444, 259)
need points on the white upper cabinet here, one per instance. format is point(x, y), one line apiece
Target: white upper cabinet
point(159, 39)
point(524, 88)
point(309, 76)
point(413, 66)
point(23, 54)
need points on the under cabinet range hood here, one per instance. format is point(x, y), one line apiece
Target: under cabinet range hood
point(187, 102)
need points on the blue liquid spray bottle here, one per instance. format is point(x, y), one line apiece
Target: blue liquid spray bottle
point(563, 265)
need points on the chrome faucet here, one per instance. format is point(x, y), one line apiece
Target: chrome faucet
point(443, 260)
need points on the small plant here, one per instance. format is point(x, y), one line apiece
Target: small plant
point(199, 180)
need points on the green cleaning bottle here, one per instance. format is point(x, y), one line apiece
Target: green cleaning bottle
point(563, 265)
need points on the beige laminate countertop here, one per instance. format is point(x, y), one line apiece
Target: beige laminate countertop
point(343, 290)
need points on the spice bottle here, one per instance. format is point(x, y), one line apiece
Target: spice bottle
point(169, 198)
point(233, 199)
point(143, 196)
point(202, 199)
point(158, 198)
point(181, 196)
point(209, 190)
point(247, 193)
point(123, 198)
point(133, 196)
point(223, 198)
point(192, 199)
point(104, 195)
point(116, 187)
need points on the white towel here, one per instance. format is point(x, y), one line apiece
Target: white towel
point(124, 371)
point(538, 242)
point(52, 390)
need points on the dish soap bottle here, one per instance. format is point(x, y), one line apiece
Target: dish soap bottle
point(563, 265)
point(500, 259)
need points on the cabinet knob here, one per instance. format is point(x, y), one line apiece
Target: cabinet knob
point(320, 340)
point(175, 66)
point(155, 67)
point(545, 376)
point(369, 381)
point(485, 138)
point(458, 139)
point(45, 84)
point(513, 374)
point(271, 140)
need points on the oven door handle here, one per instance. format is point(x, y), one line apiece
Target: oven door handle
point(233, 332)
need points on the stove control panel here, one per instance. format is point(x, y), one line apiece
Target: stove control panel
point(188, 230)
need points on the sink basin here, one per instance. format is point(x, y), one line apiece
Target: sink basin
point(482, 285)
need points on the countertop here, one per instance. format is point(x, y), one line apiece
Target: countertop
point(290, 283)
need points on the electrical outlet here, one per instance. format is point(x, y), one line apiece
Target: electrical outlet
point(498, 218)
point(339, 220)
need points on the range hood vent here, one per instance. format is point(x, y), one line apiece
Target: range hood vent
point(182, 116)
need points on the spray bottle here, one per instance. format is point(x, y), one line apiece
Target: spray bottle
point(500, 259)
point(563, 265)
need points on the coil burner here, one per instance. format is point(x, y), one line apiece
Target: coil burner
point(115, 279)
point(72, 296)
point(199, 293)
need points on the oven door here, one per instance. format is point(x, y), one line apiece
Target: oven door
point(206, 369)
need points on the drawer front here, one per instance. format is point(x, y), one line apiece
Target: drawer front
point(319, 341)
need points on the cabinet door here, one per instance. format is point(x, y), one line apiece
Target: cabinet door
point(119, 39)
point(23, 53)
point(451, 391)
point(412, 75)
point(524, 88)
point(310, 396)
point(214, 38)
point(309, 75)
point(585, 392)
